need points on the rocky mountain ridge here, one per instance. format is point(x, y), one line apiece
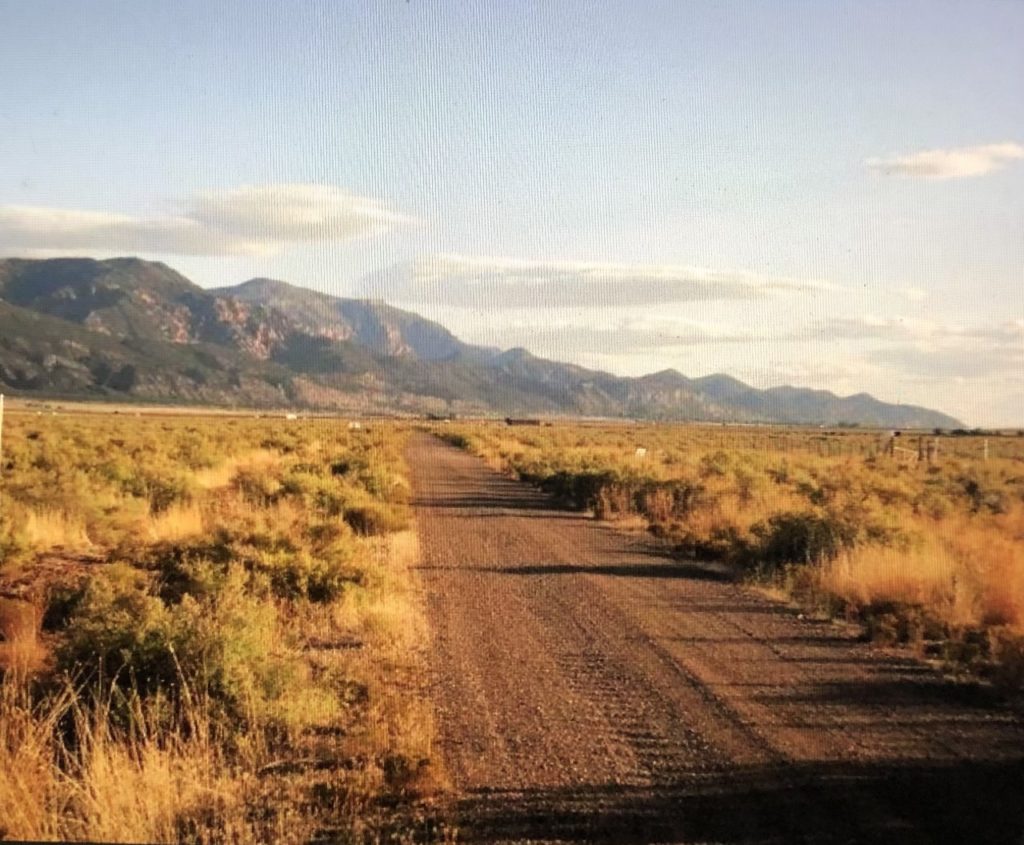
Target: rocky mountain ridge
point(132, 330)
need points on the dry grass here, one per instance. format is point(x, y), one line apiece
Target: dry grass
point(928, 576)
point(389, 618)
point(21, 652)
point(178, 522)
point(46, 530)
point(991, 557)
point(250, 519)
point(145, 785)
point(221, 475)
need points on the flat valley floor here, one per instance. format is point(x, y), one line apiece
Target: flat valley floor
point(589, 689)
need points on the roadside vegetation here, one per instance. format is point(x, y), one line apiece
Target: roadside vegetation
point(922, 544)
point(208, 631)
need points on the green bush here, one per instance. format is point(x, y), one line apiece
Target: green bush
point(221, 646)
point(122, 632)
point(801, 537)
point(274, 565)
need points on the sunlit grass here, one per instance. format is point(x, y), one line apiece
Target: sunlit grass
point(178, 522)
point(242, 615)
point(48, 529)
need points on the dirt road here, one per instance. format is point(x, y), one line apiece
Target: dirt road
point(589, 689)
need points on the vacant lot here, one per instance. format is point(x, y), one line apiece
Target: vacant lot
point(208, 630)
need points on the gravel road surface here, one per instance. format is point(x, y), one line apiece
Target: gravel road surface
point(590, 689)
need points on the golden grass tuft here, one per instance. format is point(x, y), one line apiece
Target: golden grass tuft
point(991, 555)
point(178, 522)
point(221, 475)
point(925, 576)
point(129, 788)
point(46, 530)
point(21, 653)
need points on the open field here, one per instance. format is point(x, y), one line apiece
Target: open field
point(919, 538)
point(297, 630)
point(209, 631)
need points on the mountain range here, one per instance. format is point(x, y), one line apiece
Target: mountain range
point(125, 329)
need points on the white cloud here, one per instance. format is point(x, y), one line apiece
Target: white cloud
point(884, 328)
point(954, 163)
point(250, 220)
point(938, 351)
point(279, 213)
point(491, 282)
point(628, 336)
point(1009, 333)
point(915, 294)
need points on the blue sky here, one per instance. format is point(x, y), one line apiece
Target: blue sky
point(821, 194)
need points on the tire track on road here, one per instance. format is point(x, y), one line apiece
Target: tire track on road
point(590, 690)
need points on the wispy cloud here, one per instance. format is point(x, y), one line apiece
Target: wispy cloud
point(491, 282)
point(933, 350)
point(942, 362)
point(629, 336)
point(952, 163)
point(249, 220)
point(1009, 333)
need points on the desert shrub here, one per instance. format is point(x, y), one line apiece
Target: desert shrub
point(932, 504)
point(221, 645)
point(748, 483)
point(458, 440)
point(1007, 648)
point(893, 623)
point(62, 602)
point(982, 492)
point(715, 463)
point(661, 501)
point(382, 484)
point(258, 487)
point(326, 495)
point(801, 537)
point(121, 631)
point(612, 499)
point(657, 503)
point(229, 646)
point(298, 574)
point(160, 486)
point(725, 543)
point(579, 490)
point(14, 544)
point(194, 450)
point(369, 519)
point(274, 563)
